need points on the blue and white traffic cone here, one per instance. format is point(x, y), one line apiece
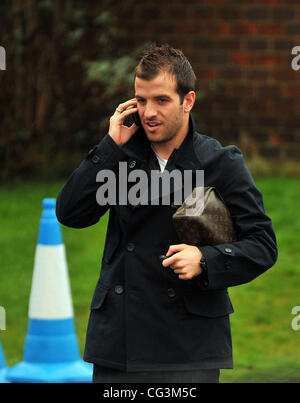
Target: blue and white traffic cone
point(3, 367)
point(51, 351)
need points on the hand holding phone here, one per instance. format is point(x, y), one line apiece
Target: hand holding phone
point(119, 132)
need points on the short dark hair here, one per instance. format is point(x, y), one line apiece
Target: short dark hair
point(165, 58)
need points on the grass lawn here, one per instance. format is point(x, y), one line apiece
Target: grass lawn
point(266, 348)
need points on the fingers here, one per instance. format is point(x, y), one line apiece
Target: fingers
point(178, 268)
point(184, 277)
point(183, 260)
point(176, 248)
point(172, 249)
point(119, 132)
point(127, 112)
point(169, 261)
point(126, 108)
point(174, 262)
point(128, 103)
point(182, 272)
point(172, 259)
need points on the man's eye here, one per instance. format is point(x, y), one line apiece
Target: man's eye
point(141, 101)
point(162, 100)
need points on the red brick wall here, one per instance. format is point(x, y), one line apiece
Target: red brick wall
point(241, 53)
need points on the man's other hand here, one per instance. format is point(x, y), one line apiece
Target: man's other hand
point(184, 260)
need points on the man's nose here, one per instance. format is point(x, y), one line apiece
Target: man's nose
point(150, 111)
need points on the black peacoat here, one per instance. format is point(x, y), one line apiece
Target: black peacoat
point(143, 317)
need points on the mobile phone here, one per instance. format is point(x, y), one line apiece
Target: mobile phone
point(136, 118)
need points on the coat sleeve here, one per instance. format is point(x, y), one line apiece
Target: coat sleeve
point(76, 204)
point(255, 251)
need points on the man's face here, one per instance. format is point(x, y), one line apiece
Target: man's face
point(162, 115)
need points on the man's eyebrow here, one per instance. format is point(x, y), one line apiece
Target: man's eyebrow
point(156, 96)
point(162, 96)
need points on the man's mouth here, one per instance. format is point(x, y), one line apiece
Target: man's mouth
point(152, 125)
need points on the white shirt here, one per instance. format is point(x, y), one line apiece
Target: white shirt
point(162, 161)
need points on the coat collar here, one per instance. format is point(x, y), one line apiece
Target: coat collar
point(184, 157)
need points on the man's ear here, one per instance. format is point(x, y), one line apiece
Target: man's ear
point(189, 100)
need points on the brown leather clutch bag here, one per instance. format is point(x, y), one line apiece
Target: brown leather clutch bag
point(209, 224)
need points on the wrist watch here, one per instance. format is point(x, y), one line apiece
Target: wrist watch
point(204, 272)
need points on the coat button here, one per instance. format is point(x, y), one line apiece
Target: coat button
point(132, 164)
point(171, 292)
point(95, 159)
point(228, 250)
point(119, 289)
point(130, 246)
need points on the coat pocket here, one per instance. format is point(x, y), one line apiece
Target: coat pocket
point(211, 304)
point(99, 296)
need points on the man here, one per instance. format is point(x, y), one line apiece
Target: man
point(153, 320)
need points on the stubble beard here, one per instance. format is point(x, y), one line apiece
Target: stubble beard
point(170, 130)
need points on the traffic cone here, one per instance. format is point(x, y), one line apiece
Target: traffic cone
point(3, 367)
point(51, 351)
